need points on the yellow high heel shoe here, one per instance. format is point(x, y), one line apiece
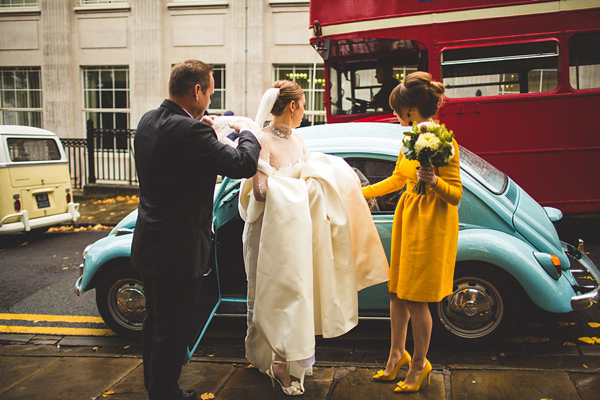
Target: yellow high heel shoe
point(380, 375)
point(404, 388)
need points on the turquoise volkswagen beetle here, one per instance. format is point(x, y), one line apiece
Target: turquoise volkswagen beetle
point(508, 249)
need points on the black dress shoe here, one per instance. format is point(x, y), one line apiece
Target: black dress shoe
point(189, 395)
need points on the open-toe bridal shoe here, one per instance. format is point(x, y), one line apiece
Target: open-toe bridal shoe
point(295, 389)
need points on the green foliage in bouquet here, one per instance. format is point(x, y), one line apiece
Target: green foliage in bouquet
point(430, 144)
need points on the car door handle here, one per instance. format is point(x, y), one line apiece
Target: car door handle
point(207, 273)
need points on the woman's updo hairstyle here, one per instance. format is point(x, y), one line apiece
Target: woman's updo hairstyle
point(288, 91)
point(420, 92)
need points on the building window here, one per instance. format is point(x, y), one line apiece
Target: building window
point(311, 78)
point(94, 2)
point(217, 100)
point(21, 96)
point(106, 96)
point(501, 70)
point(584, 61)
point(19, 3)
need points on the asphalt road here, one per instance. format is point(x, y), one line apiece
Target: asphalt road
point(38, 276)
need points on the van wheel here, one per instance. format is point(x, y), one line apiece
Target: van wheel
point(483, 307)
point(121, 301)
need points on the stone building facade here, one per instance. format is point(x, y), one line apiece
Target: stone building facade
point(63, 62)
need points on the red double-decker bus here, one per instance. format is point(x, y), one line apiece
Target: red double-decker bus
point(522, 80)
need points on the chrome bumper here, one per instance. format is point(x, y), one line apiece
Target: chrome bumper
point(586, 300)
point(25, 224)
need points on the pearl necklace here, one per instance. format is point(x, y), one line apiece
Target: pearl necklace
point(280, 134)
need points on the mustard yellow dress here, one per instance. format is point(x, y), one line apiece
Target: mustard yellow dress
point(425, 231)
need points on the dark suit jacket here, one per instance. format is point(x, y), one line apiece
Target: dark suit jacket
point(177, 159)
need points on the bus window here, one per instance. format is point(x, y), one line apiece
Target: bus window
point(500, 70)
point(364, 88)
point(584, 61)
point(363, 72)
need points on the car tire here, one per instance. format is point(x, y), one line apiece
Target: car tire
point(483, 307)
point(121, 301)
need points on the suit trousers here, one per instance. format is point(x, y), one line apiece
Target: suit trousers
point(170, 305)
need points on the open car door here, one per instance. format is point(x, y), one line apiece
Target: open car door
point(208, 302)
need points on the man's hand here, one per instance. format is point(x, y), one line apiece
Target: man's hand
point(208, 119)
point(242, 124)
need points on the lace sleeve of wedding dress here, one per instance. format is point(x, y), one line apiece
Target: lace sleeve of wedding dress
point(259, 180)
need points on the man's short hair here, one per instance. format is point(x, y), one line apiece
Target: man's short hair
point(186, 75)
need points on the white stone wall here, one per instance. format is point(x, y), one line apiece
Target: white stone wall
point(61, 37)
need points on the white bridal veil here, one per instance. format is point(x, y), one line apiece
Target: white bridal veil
point(221, 124)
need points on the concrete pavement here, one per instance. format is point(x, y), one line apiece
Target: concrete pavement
point(55, 367)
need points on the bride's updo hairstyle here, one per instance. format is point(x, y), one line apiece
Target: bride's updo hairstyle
point(420, 92)
point(288, 91)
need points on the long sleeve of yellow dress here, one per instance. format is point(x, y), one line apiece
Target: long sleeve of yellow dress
point(449, 186)
point(391, 184)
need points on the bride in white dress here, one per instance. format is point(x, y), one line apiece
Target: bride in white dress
point(310, 244)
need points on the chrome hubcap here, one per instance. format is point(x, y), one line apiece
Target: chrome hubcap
point(474, 309)
point(128, 303)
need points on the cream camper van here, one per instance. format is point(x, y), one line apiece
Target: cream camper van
point(35, 185)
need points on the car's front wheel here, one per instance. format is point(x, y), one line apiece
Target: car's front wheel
point(121, 301)
point(483, 306)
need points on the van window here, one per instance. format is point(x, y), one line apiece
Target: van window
point(584, 61)
point(32, 149)
point(500, 70)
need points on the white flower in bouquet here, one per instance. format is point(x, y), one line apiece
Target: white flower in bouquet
point(427, 141)
point(430, 144)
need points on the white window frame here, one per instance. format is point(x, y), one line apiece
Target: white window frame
point(87, 110)
point(99, 2)
point(19, 3)
point(314, 113)
point(29, 93)
point(220, 90)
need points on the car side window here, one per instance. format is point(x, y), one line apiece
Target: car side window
point(372, 171)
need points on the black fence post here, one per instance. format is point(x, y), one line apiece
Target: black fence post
point(90, 147)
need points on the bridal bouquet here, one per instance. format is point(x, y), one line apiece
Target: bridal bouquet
point(430, 144)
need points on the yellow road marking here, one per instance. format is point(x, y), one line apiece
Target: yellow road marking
point(51, 318)
point(51, 330)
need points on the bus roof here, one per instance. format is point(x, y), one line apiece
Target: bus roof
point(361, 15)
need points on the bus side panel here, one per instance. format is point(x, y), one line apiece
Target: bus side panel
point(517, 134)
point(583, 151)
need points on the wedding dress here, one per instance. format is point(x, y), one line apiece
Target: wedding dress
point(308, 249)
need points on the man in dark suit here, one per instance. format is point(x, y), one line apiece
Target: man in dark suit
point(178, 158)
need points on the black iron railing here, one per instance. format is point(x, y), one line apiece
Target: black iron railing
point(106, 156)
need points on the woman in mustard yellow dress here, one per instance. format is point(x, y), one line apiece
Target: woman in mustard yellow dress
point(424, 235)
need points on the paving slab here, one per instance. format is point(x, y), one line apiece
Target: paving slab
point(589, 350)
point(14, 338)
point(587, 385)
point(502, 385)
point(250, 384)
point(359, 384)
point(202, 377)
point(72, 378)
point(45, 339)
point(529, 362)
point(94, 341)
point(17, 369)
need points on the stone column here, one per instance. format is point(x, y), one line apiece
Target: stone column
point(148, 87)
point(57, 70)
point(247, 55)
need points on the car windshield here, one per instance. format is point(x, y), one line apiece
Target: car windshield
point(484, 172)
